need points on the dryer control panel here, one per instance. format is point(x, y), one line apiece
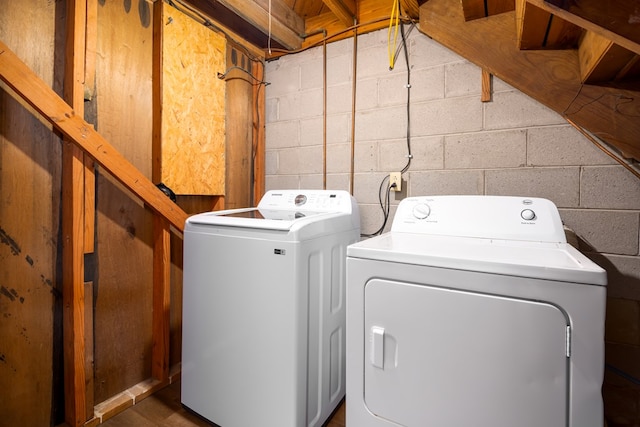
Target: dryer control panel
point(492, 217)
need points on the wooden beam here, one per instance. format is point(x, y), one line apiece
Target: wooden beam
point(258, 134)
point(345, 10)
point(45, 101)
point(283, 24)
point(601, 60)
point(625, 38)
point(161, 298)
point(77, 409)
point(411, 8)
point(486, 86)
point(550, 77)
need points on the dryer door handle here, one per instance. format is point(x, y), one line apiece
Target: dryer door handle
point(377, 347)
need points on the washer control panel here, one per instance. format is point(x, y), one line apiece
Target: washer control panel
point(308, 200)
point(491, 217)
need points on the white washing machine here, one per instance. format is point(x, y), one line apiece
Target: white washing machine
point(473, 311)
point(263, 341)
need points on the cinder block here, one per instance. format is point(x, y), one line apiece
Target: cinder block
point(339, 157)
point(367, 94)
point(623, 321)
point(289, 161)
point(623, 274)
point(607, 231)
point(515, 109)
point(311, 181)
point(366, 186)
point(282, 134)
point(382, 123)
point(427, 151)
point(309, 160)
point(609, 187)
point(300, 105)
point(311, 74)
point(462, 79)
point(426, 52)
point(486, 150)
point(311, 131)
point(339, 128)
point(271, 162)
point(428, 84)
point(271, 110)
point(374, 62)
point(283, 76)
point(445, 182)
point(446, 116)
point(281, 182)
point(562, 146)
point(366, 157)
point(338, 181)
point(560, 185)
point(393, 155)
point(339, 69)
point(624, 358)
point(339, 99)
point(392, 90)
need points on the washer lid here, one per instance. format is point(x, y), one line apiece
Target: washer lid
point(270, 219)
point(538, 260)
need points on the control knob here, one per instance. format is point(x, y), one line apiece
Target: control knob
point(528, 215)
point(421, 210)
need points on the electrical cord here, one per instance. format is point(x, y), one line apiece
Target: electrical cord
point(386, 204)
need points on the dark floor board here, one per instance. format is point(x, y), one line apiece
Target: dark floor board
point(163, 409)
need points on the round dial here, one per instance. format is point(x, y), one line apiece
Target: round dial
point(528, 215)
point(421, 210)
point(300, 200)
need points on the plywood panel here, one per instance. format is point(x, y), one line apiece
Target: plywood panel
point(123, 282)
point(29, 217)
point(193, 106)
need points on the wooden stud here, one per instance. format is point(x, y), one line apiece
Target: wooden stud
point(258, 134)
point(77, 409)
point(45, 101)
point(161, 298)
point(486, 86)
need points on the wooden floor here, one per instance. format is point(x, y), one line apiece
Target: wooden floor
point(163, 409)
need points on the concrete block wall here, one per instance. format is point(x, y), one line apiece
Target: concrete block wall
point(511, 145)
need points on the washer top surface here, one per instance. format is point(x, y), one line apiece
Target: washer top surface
point(287, 210)
point(494, 234)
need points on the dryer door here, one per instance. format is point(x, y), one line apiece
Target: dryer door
point(443, 357)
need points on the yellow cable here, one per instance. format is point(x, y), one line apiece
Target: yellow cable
point(393, 19)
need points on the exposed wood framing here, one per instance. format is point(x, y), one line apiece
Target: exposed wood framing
point(612, 33)
point(345, 10)
point(258, 135)
point(550, 77)
point(284, 24)
point(411, 8)
point(486, 86)
point(601, 60)
point(161, 298)
point(74, 228)
point(46, 102)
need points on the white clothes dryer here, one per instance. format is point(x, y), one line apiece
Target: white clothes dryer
point(473, 311)
point(263, 341)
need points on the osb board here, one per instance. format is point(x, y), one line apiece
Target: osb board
point(124, 256)
point(193, 106)
point(30, 177)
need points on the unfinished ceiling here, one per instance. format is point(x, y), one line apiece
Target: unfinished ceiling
point(580, 58)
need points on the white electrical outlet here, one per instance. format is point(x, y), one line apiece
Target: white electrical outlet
point(395, 178)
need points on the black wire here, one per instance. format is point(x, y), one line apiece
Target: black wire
point(406, 58)
point(386, 204)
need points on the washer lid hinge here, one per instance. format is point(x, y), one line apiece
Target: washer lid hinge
point(568, 342)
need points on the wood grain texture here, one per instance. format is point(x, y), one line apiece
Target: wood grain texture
point(193, 106)
point(550, 77)
point(30, 173)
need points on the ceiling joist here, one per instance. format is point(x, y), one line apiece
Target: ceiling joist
point(282, 24)
point(345, 10)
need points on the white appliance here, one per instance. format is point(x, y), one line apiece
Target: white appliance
point(473, 311)
point(263, 341)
